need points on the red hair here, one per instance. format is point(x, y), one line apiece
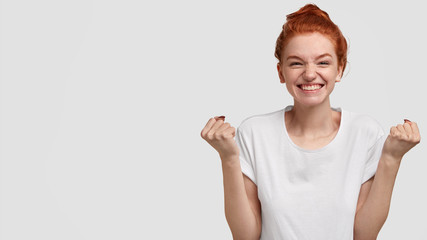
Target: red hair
point(308, 19)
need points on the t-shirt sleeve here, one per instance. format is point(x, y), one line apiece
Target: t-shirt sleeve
point(245, 156)
point(374, 155)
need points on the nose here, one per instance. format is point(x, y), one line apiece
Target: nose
point(310, 73)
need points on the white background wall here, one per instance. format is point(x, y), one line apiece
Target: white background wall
point(103, 102)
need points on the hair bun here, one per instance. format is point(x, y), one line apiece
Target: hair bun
point(309, 9)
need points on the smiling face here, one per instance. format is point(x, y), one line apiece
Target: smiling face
point(309, 68)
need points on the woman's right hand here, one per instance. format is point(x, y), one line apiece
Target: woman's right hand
point(220, 135)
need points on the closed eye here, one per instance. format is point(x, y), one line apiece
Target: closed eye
point(324, 63)
point(294, 63)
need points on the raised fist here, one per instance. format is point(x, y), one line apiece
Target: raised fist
point(401, 139)
point(220, 135)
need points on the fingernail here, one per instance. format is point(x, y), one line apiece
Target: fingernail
point(406, 120)
point(223, 117)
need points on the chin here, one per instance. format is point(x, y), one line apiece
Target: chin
point(310, 102)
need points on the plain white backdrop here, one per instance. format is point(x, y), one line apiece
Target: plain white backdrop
point(103, 102)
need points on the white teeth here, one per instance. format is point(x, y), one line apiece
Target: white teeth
point(311, 87)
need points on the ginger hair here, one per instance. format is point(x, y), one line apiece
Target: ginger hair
point(309, 19)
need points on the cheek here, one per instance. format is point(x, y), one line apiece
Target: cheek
point(328, 74)
point(292, 74)
point(291, 89)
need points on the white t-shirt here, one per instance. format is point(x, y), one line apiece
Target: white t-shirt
point(309, 194)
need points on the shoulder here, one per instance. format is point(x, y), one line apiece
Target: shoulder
point(364, 125)
point(362, 120)
point(261, 121)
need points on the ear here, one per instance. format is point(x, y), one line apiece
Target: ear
point(339, 75)
point(279, 71)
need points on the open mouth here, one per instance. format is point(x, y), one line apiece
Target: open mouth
point(310, 87)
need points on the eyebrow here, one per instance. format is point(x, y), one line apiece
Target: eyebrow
point(320, 56)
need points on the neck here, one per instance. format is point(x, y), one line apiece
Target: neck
point(312, 121)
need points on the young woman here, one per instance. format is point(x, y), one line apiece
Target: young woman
point(310, 171)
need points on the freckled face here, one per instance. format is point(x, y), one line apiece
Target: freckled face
point(309, 68)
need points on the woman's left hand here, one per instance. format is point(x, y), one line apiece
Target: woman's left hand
point(401, 139)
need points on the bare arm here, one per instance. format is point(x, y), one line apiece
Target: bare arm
point(375, 195)
point(242, 207)
point(373, 210)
